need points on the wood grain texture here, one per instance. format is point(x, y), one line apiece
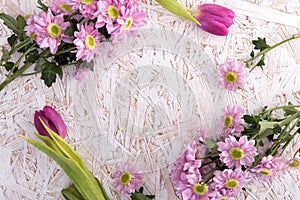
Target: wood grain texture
point(148, 101)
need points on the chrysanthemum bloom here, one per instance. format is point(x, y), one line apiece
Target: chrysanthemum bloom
point(232, 121)
point(49, 30)
point(30, 28)
point(193, 189)
point(237, 153)
point(52, 119)
point(231, 180)
point(82, 73)
point(232, 74)
point(107, 12)
point(86, 7)
point(61, 6)
point(268, 168)
point(186, 165)
point(214, 19)
point(129, 18)
point(87, 42)
point(127, 179)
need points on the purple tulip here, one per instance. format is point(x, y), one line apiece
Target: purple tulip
point(215, 19)
point(52, 119)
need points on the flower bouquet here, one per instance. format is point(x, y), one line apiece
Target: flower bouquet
point(67, 33)
point(247, 145)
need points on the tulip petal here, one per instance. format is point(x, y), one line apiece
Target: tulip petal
point(58, 124)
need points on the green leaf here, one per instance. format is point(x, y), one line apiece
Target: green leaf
point(32, 56)
point(252, 54)
point(49, 73)
point(41, 64)
point(84, 181)
point(260, 44)
point(71, 193)
point(249, 119)
point(42, 6)
point(137, 195)
point(9, 66)
point(176, 8)
point(5, 55)
point(21, 23)
point(290, 110)
point(210, 143)
point(12, 40)
point(11, 23)
point(261, 62)
point(64, 147)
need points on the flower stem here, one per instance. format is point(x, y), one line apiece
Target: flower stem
point(249, 62)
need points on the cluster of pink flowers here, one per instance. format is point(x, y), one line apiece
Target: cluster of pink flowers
point(86, 19)
point(221, 171)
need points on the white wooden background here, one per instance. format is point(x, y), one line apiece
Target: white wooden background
point(148, 101)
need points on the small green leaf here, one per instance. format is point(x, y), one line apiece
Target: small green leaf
point(41, 64)
point(252, 54)
point(210, 143)
point(49, 73)
point(32, 56)
point(21, 22)
point(9, 66)
point(12, 40)
point(11, 23)
point(176, 8)
point(261, 62)
point(71, 193)
point(250, 119)
point(5, 55)
point(260, 44)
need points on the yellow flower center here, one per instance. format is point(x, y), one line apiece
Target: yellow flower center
point(232, 183)
point(128, 23)
point(90, 42)
point(223, 198)
point(231, 77)
point(87, 2)
point(266, 172)
point(236, 153)
point(200, 188)
point(228, 121)
point(294, 163)
point(65, 7)
point(54, 30)
point(125, 178)
point(112, 12)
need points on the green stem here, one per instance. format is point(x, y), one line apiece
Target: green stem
point(281, 107)
point(68, 50)
point(265, 51)
point(30, 74)
point(289, 119)
point(20, 46)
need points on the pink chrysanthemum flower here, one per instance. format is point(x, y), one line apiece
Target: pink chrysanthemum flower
point(130, 18)
point(127, 179)
point(232, 74)
point(87, 42)
point(231, 180)
point(30, 28)
point(185, 165)
point(61, 6)
point(231, 121)
point(268, 168)
point(86, 7)
point(107, 12)
point(237, 153)
point(49, 30)
point(193, 189)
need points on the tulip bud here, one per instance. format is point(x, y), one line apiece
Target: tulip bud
point(214, 19)
point(52, 119)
